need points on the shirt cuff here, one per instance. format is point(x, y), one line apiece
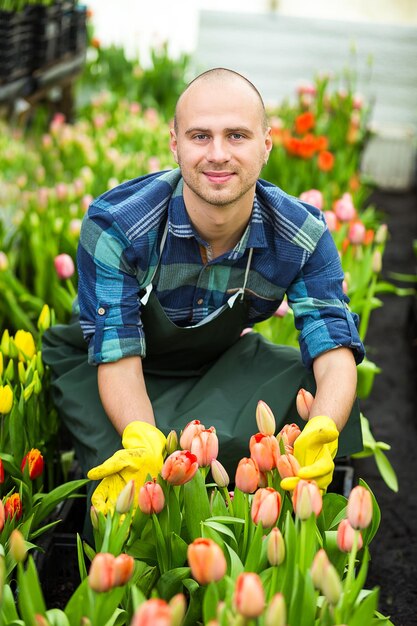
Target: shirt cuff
point(115, 344)
point(327, 336)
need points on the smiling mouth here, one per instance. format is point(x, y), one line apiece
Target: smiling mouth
point(218, 177)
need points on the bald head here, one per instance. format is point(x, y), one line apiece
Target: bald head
point(218, 78)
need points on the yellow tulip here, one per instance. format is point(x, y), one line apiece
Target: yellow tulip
point(6, 399)
point(25, 343)
point(44, 320)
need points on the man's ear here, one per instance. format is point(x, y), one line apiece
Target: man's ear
point(173, 144)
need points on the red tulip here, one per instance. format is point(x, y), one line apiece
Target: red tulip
point(266, 505)
point(34, 459)
point(205, 445)
point(151, 498)
point(359, 508)
point(264, 449)
point(206, 560)
point(13, 506)
point(153, 612)
point(64, 266)
point(1, 472)
point(188, 433)
point(179, 467)
point(307, 499)
point(247, 475)
point(249, 596)
point(345, 537)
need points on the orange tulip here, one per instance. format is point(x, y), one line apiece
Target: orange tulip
point(179, 467)
point(2, 515)
point(264, 449)
point(359, 508)
point(13, 506)
point(124, 566)
point(34, 459)
point(249, 596)
point(266, 505)
point(304, 401)
point(151, 498)
point(304, 122)
point(289, 434)
point(325, 161)
point(287, 465)
point(101, 574)
point(345, 537)
point(247, 475)
point(206, 560)
point(153, 612)
point(307, 499)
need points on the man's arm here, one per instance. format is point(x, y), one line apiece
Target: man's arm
point(336, 377)
point(123, 392)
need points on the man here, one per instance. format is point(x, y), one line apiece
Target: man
point(174, 265)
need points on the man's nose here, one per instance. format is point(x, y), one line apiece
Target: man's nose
point(218, 150)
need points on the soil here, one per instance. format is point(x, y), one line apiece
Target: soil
point(391, 409)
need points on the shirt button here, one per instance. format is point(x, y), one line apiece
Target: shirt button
point(101, 311)
point(200, 301)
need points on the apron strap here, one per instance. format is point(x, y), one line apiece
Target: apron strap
point(241, 291)
point(149, 286)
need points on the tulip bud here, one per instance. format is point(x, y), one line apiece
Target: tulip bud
point(1, 476)
point(2, 513)
point(307, 499)
point(44, 319)
point(205, 445)
point(345, 537)
point(249, 596)
point(9, 373)
point(39, 363)
point(13, 507)
point(34, 459)
point(21, 372)
point(220, 476)
point(289, 434)
point(178, 606)
point(1, 364)
point(94, 517)
point(331, 585)
point(359, 507)
point(265, 419)
point(152, 612)
point(64, 266)
point(275, 549)
point(266, 506)
point(126, 497)
point(85, 621)
point(320, 562)
point(5, 343)
point(247, 475)
point(101, 574)
point(40, 620)
point(4, 261)
point(287, 465)
point(151, 498)
point(27, 393)
point(264, 449)
point(17, 545)
point(25, 344)
point(37, 385)
point(124, 566)
point(188, 433)
point(172, 442)
point(276, 613)
point(6, 398)
point(381, 234)
point(376, 261)
point(304, 402)
point(179, 467)
point(206, 560)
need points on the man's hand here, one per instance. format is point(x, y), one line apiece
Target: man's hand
point(315, 449)
point(144, 446)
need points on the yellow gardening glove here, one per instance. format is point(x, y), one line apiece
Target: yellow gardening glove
point(144, 446)
point(315, 449)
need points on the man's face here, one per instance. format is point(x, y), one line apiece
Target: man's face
point(220, 143)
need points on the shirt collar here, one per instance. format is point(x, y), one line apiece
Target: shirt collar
point(179, 224)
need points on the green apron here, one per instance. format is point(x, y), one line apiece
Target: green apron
point(207, 372)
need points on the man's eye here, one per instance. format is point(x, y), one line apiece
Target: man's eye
point(200, 137)
point(237, 136)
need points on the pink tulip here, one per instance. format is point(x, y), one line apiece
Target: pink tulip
point(314, 197)
point(304, 402)
point(345, 537)
point(249, 596)
point(151, 498)
point(287, 465)
point(206, 560)
point(64, 266)
point(179, 467)
point(289, 434)
point(307, 87)
point(124, 566)
point(205, 445)
point(344, 208)
point(276, 547)
point(331, 220)
point(101, 574)
point(153, 612)
point(356, 233)
point(265, 419)
point(191, 429)
point(61, 191)
point(264, 449)
point(307, 499)
point(359, 508)
point(247, 475)
point(266, 505)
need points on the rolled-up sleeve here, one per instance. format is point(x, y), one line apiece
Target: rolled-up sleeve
point(108, 291)
point(321, 309)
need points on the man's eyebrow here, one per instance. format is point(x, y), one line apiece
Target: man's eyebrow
point(227, 131)
point(190, 131)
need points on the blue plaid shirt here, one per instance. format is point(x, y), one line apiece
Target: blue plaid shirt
point(293, 254)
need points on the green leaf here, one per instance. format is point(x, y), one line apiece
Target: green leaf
point(235, 565)
point(218, 505)
point(222, 529)
point(81, 560)
point(360, 580)
point(56, 617)
point(30, 599)
point(51, 499)
point(369, 533)
point(118, 618)
point(210, 602)
point(387, 471)
point(170, 583)
point(195, 606)
point(366, 609)
point(334, 505)
point(196, 505)
point(255, 549)
point(178, 550)
point(226, 519)
point(8, 613)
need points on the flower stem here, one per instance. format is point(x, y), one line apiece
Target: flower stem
point(228, 500)
point(351, 570)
